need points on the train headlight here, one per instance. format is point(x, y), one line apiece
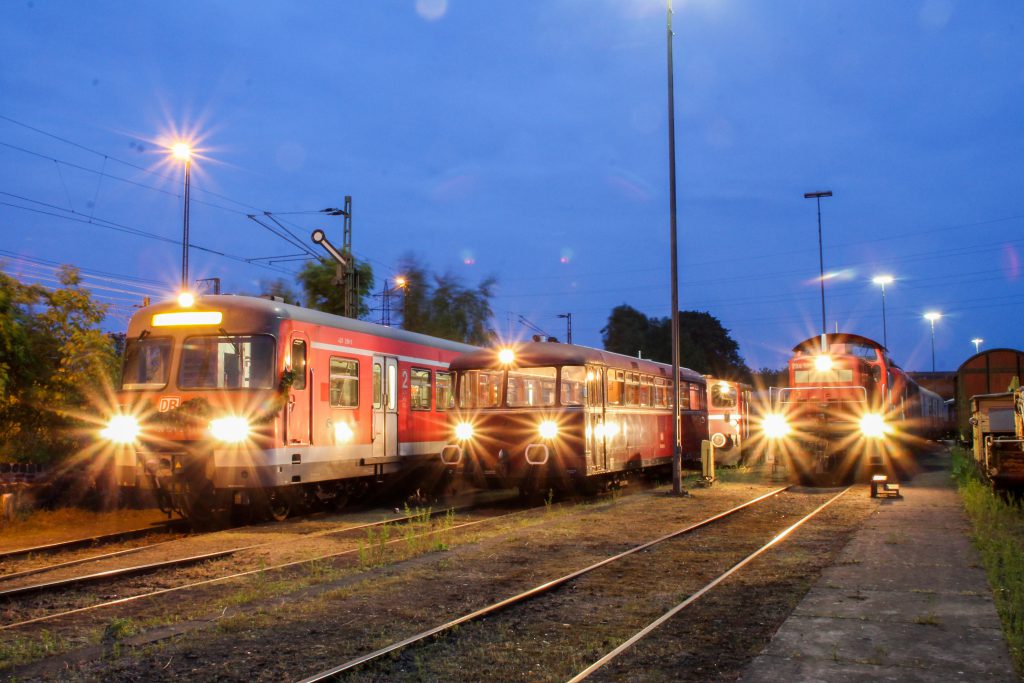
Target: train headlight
point(506, 356)
point(775, 426)
point(342, 432)
point(121, 429)
point(463, 431)
point(230, 429)
point(872, 425)
point(548, 429)
point(823, 363)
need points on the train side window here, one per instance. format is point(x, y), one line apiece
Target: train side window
point(616, 387)
point(419, 389)
point(632, 388)
point(660, 393)
point(684, 396)
point(299, 364)
point(595, 395)
point(377, 373)
point(574, 385)
point(445, 399)
point(695, 402)
point(392, 387)
point(344, 383)
point(646, 390)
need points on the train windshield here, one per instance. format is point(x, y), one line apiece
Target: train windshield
point(147, 364)
point(480, 389)
point(227, 362)
point(723, 395)
point(531, 387)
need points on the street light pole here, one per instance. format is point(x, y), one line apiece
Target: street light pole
point(821, 260)
point(931, 317)
point(884, 280)
point(183, 152)
point(677, 448)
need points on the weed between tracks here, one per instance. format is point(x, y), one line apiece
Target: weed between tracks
point(999, 536)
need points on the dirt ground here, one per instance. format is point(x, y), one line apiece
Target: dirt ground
point(53, 526)
point(289, 625)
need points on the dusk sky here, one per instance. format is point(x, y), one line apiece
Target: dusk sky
point(528, 140)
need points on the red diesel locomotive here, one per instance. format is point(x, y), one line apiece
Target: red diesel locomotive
point(849, 412)
point(234, 402)
point(544, 415)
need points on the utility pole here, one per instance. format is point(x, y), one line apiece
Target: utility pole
point(677, 444)
point(568, 326)
point(821, 262)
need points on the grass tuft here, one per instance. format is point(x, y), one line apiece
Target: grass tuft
point(999, 536)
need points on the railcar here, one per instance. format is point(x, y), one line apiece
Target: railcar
point(989, 372)
point(544, 415)
point(250, 404)
point(728, 418)
point(997, 426)
point(849, 412)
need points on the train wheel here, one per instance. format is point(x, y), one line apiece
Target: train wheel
point(279, 506)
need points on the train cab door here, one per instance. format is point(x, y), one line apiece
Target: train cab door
point(385, 406)
point(299, 404)
point(597, 453)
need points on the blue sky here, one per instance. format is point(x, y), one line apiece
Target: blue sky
point(528, 140)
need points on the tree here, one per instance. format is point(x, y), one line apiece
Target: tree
point(317, 278)
point(53, 356)
point(280, 288)
point(442, 306)
point(704, 344)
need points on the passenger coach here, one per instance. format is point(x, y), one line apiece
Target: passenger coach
point(237, 402)
point(542, 415)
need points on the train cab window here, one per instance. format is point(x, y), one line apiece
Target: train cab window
point(531, 387)
point(574, 385)
point(344, 383)
point(147, 364)
point(377, 388)
point(227, 362)
point(419, 389)
point(479, 389)
point(684, 396)
point(616, 387)
point(299, 364)
point(698, 397)
point(723, 395)
point(445, 399)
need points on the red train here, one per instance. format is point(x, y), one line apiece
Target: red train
point(241, 403)
point(849, 411)
point(728, 419)
point(544, 415)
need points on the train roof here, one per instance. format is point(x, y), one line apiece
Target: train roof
point(536, 354)
point(813, 344)
point(262, 309)
point(987, 353)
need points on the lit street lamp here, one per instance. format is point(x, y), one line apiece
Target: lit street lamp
point(182, 151)
point(977, 344)
point(931, 317)
point(821, 260)
point(884, 280)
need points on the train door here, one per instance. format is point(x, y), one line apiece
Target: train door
point(299, 404)
point(693, 416)
point(385, 406)
point(596, 452)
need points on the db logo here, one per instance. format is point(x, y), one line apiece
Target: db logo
point(169, 403)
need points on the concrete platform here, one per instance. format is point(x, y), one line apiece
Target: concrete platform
point(906, 600)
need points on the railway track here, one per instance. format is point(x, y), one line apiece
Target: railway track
point(552, 585)
point(87, 541)
point(348, 552)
